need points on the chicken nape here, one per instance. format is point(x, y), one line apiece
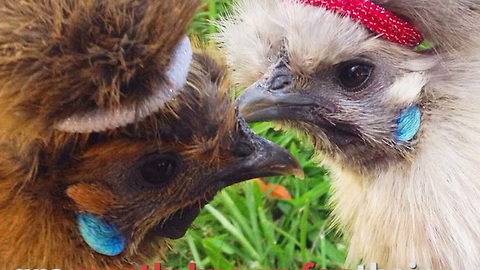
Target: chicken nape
point(114, 135)
point(388, 92)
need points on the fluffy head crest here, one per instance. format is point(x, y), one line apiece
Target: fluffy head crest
point(63, 58)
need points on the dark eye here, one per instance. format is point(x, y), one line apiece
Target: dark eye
point(159, 169)
point(354, 75)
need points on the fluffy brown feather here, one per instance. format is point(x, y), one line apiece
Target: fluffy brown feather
point(61, 57)
point(149, 178)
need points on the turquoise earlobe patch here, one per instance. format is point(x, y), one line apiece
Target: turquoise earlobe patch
point(100, 235)
point(408, 124)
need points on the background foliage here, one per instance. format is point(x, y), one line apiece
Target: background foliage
point(246, 227)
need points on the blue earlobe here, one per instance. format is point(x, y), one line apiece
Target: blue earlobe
point(100, 235)
point(408, 124)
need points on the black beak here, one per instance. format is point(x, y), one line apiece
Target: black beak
point(258, 104)
point(264, 159)
point(271, 97)
point(254, 157)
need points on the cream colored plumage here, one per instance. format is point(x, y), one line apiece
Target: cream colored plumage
point(399, 202)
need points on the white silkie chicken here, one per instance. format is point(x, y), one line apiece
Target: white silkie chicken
point(388, 91)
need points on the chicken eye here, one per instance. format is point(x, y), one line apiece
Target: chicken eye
point(159, 170)
point(354, 75)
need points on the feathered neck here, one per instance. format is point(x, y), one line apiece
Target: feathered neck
point(424, 211)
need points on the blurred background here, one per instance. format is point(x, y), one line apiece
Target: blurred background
point(274, 223)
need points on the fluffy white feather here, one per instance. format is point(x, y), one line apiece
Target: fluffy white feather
point(426, 207)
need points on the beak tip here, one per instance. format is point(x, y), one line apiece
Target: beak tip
point(299, 173)
point(288, 164)
point(296, 170)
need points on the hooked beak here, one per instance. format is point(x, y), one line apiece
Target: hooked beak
point(271, 98)
point(255, 157)
point(267, 159)
point(258, 104)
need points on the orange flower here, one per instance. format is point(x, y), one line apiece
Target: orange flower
point(275, 191)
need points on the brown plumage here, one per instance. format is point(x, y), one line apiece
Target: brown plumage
point(62, 57)
point(148, 178)
point(400, 199)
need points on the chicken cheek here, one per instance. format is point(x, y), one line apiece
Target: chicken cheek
point(91, 198)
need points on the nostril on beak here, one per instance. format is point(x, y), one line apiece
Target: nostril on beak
point(280, 82)
point(277, 78)
point(242, 150)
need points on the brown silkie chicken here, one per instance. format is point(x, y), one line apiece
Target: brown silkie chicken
point(113, 133)
point(388, 91)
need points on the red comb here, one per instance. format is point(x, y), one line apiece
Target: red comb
point(375, 18)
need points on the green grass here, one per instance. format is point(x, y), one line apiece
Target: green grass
point(246, 229)
point(210, 11)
